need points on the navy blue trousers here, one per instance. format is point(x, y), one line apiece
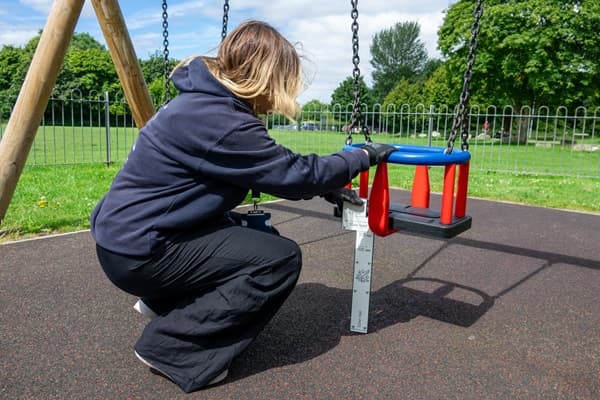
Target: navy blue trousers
point(214, 291)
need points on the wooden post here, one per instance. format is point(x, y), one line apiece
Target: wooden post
point(33, 97)
point(126, 63)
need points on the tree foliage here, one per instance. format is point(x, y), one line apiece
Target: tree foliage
point(87, 66)
point(153, 69)
point(154, 66)
point(87, 69)
point(343, 95)
point(12, 61)
point(85, 41)
point(535, 52)
point(314, 105)
point(397, 53)
point(404, 92)
point(437, 89)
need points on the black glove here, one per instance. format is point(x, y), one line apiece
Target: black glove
point(340, 195)
point(378, 152)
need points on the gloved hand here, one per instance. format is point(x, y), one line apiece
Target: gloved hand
point(378, 152)
point(340, 195)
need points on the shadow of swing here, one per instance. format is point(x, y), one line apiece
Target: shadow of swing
point(315, 317)
point(433, 298)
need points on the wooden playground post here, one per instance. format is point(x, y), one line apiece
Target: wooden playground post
point(125, 60)
point(34, 95)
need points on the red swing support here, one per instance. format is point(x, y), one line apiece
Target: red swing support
point(417, 217)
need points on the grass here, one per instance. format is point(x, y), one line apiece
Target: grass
point(80, 144)
point(61, 198)
point(54, 199)
point(486, 154)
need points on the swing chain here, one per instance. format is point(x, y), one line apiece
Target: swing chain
point(225, 19)
point(460, 119)
point(357, 119)
point(166, 69)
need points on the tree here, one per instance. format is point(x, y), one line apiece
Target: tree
point(529, 53)
point(343, 95)
point(437, 90)
point(398, 54)
point(404, 92)
point(85, 41)
point(154, 67)
point(314, 106)
point(430, 67)
point(153, 70)
point(319, 113)
point(86, 70)
point(11, 70)
point(402, 95)
point(342, 101)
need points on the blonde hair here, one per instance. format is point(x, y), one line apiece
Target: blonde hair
point(254, 61)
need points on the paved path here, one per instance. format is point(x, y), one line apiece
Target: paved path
point(508, 310)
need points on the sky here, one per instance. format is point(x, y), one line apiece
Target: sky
point(320, 28)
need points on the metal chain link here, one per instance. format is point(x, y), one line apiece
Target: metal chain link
point(225, 19)
point(460, 119)
point(166, 67)
point(357, 120)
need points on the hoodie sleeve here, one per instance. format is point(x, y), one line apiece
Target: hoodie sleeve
point(248, 157)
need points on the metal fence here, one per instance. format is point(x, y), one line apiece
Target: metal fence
point(533, 140)
point(79, 130)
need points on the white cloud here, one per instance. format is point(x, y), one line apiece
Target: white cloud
point(16, 37)
point(42, 6)
point(152, 16)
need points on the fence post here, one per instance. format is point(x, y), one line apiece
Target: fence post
point(107, 125)
point(430, 129)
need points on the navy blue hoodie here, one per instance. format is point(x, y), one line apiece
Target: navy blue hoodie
point(196, 159)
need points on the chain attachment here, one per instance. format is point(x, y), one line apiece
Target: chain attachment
point(460, 118)
point(357, 119)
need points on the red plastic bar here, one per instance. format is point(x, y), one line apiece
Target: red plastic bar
point(461, 190)
point(448, 194)
point(363, 189)
point(379, 203)
point(421, 189)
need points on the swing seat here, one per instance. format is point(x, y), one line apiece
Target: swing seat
point(417, 217)
point(425, 221)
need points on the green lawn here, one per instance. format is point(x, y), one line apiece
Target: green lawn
point(56, 145)
point(490, 155)
point(60, 198)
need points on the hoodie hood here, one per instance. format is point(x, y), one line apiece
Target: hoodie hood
point(195, 77)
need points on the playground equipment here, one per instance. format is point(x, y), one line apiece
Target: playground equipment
point(382, 217)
